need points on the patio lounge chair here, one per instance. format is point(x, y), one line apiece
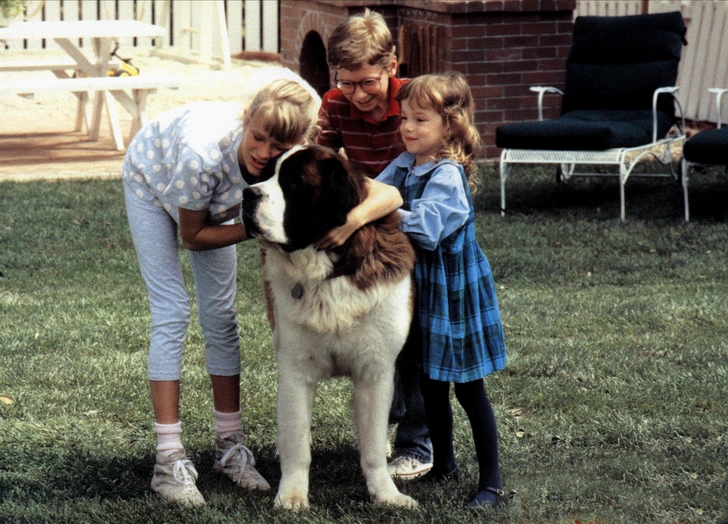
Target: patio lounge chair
point(707, 147)
point(618, 103)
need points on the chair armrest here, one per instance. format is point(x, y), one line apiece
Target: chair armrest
point(541, 90)
point(719, 94)
point(661, 91)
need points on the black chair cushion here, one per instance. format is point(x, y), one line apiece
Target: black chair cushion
point(618, 62)
point(708, 147)
point(581, 130)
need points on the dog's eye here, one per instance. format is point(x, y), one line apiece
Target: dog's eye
point(290, 183)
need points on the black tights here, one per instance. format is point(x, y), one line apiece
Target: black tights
point(473, 399)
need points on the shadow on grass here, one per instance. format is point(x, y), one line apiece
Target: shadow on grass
point(75, 474)
point(535, 191)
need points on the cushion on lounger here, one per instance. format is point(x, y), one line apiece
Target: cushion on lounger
point(581, 130)
point(708, 147)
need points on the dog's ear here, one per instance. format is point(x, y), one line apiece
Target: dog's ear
point(339, 179)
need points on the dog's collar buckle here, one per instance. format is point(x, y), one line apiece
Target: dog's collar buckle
point(297, 291)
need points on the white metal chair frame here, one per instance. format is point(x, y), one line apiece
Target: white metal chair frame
point(568, 160)
point(687, 167)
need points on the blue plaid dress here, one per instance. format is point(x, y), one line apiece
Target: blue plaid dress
point(462, 333)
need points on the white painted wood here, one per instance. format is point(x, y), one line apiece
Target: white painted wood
point(249, 24)
point(235, 25)
point(126, 12)
point(44, 65)
point(270, 26)
point(223, 51)
point(101, 83)
point(252, 14)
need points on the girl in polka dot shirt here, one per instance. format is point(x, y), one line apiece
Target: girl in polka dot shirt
point(185, 172)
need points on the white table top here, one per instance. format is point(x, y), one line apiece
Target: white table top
point(81, 29)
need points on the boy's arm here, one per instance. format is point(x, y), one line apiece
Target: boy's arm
point(381, 200)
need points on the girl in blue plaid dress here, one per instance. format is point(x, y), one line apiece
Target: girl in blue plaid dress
point(461, 330)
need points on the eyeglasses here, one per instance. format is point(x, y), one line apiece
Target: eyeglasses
point(368, 85)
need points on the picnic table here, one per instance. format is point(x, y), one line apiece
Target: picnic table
point(84, 72)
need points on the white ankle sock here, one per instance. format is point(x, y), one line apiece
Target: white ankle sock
point(169, 438)
point(227, 424)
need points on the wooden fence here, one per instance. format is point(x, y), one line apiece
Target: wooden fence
point(250, 25)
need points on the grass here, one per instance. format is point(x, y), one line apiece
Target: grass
point(613, 407)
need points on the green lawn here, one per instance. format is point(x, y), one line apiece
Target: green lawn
point(613, 406)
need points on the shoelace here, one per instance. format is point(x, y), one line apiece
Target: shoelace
point(185, 473)
point(246, 457)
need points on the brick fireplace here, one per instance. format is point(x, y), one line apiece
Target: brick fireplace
point(502, 46)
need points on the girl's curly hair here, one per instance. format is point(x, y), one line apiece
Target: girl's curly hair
point(449, 95)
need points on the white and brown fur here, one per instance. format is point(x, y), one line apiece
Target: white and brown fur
point(340, 313)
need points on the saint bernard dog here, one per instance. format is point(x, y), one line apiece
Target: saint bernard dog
point(344, 312)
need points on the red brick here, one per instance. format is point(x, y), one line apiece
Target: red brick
point(489, 116)
point(485, 91)
point(505, 79)
point(470, 30)
point(471, 56)
point(520, 41)
point(459, 43)
point(504, 29)
point(540, 28)
point(554, 40)
point(539, 52)
point(505, 54)
point(556, 64)
point(544, 78)
point(486, 66)
point(519, 115)
point(520, 66)
point(505, 103)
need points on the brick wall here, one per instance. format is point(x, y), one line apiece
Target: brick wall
point(502, 46)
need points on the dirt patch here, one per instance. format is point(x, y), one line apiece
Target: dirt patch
point(37, 137)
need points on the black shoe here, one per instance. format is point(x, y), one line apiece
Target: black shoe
point(435, 477)
point(489, 497)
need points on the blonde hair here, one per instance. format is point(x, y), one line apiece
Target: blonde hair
point(361, 40)
point(289, 109)
point(449, 95)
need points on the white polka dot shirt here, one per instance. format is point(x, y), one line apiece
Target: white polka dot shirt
point(187, 158)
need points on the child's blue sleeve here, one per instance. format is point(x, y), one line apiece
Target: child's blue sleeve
point(442, 209)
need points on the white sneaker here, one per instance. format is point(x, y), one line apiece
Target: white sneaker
point(174, 480)
point(236, 461)
point(405, 467)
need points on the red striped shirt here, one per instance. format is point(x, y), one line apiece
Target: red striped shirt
point(369, 146)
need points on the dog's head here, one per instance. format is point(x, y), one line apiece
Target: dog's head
point(302, 194)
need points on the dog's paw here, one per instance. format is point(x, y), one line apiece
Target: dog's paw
point(291, 503)
point(397, 499)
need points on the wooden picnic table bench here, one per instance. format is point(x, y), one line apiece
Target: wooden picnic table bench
point(85, 74)
point(130, 91)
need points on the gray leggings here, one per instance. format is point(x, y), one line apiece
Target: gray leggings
point(154, 233)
